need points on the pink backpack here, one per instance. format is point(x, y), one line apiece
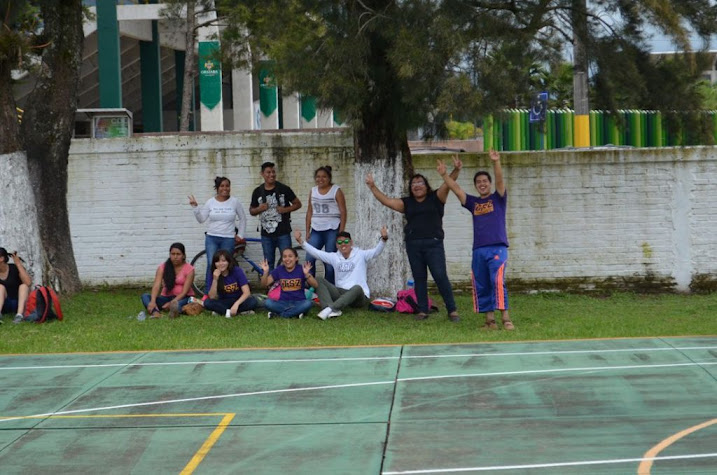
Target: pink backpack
point(407, 302)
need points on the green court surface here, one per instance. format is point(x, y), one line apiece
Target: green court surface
point(590, 406)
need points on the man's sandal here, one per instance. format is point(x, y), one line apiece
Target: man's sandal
point(490, 325)
point(508, 325)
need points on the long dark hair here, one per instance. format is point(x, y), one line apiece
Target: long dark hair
point(169, 276)
point(230, 259)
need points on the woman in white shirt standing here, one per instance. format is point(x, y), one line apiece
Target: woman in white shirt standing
point(325, 218)
point(222, 211)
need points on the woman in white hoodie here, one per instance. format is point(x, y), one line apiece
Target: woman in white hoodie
point(350, 264)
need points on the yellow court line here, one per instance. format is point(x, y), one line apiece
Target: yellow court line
point(648, 458)
point(198, 456)
point(207, 445)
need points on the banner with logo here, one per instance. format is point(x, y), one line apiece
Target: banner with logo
point(210, 74)
point(267, 90)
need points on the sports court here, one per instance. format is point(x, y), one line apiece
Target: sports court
point(589, 406)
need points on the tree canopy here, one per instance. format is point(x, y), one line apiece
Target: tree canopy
point(392, 65)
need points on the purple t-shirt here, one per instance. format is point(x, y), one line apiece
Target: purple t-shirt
point(291, 283)
point(233, 282)
point(488, 219)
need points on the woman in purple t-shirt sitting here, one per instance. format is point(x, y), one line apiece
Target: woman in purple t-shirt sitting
point(292, 279)
point(229, 288)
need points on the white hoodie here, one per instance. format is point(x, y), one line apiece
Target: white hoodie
point(348, 271)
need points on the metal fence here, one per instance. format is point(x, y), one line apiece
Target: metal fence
point(512, 130)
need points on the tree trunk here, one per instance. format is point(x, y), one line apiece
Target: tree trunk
point(18, 214)
point(48, 124)
point(10, 137)
point(387, 156)
point(189, 65)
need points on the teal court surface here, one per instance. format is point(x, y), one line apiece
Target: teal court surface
point(592, 406)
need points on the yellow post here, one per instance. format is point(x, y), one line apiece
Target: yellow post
point(581, 130)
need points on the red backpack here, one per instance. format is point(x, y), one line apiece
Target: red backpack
point(42, 305)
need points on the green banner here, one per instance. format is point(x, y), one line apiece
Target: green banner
point(267, 90)
point(210, 74)
point(308, 108)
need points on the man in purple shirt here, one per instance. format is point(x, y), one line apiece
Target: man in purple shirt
point(490, 240)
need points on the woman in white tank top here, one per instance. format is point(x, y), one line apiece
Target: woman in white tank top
point(325, 218)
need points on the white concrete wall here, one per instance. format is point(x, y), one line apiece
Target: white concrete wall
point(576, 219)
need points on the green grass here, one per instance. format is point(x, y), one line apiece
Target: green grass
point(105, 320)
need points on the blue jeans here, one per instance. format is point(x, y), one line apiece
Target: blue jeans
point(425, 255)
point(221, 305)
point(9, 306)
point(161, 300)
point(269, 246)
point(327, 240)
point(212, 244)
point(288, 308)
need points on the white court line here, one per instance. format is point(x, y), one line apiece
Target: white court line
point(367, 358)
point(351, 385)
point(559, 370)
point(550, 465)
point(194, 399)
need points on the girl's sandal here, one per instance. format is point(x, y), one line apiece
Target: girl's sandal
point(508, 325)
point(490, 325)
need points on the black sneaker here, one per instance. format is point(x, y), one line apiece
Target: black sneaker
point(271, 315)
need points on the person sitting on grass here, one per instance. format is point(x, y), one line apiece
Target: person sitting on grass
point(229, 292)
point(292, 279)
point(15, 285)
point(172, 284)
point(350, 264)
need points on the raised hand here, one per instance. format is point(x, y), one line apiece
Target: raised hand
point(192, 201)
point(369, 180)
point(384, 232)
point(457, 163)
point(307, 268)
point(297, 236)
point(264, 266)
point(495, 156)
point(440, 167)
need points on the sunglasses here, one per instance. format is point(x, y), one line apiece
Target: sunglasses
point(345, 241)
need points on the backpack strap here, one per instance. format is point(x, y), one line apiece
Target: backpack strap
point(56, 303)
point(46, 295)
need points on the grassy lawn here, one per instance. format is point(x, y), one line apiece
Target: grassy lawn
point(105, 320)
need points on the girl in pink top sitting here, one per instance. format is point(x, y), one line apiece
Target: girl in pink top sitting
point(172, 284)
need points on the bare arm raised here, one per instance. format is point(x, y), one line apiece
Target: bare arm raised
point(498, 172)
point(395, 204)
point(449, 181)
point(442, 191)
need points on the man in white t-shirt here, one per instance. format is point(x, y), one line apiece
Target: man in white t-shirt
point(350, 264)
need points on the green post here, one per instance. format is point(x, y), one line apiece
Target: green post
point(151, 79)
point(109, 62)
point(488, 140)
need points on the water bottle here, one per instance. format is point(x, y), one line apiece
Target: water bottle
point(309, 293)
point(409, 284)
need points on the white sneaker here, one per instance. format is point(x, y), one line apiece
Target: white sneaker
point(271, 315)
point(301, 315)
point(335, 313)
point(324, 314)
